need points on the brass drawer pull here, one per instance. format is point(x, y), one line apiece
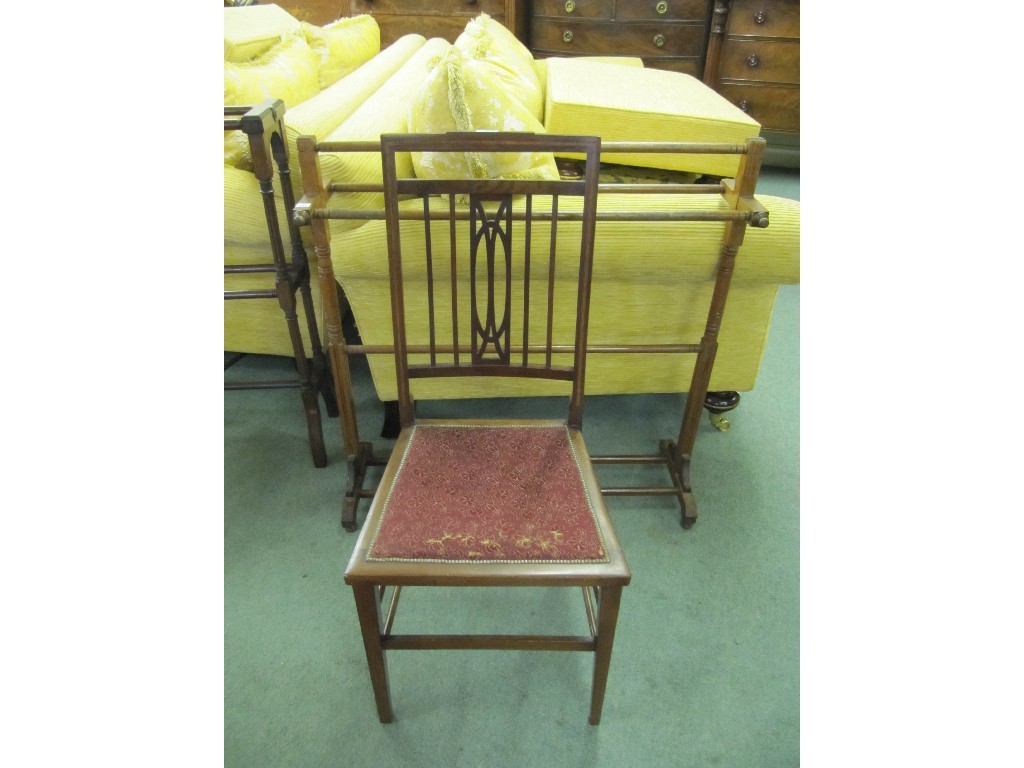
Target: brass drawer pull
point(744, 105)
point(753, 61)
point(567, 35)
point(661, 7)
point(760, 17)
point(659, 40)
point(570, 6)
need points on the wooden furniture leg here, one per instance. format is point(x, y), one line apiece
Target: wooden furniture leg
point(367, 598)
point(607, 617)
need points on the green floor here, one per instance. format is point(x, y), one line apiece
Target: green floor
point(705, 670)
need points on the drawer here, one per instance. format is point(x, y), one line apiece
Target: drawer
point(764, 18)
point(692, 67)
point(571, 37)
point(575, 9)
point(767, 61)
point(431, 7)
point(776, 108)
point(653, 10)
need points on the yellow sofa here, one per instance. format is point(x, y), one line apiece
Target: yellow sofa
point(650, 286)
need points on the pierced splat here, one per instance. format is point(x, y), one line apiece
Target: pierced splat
point(491, 338)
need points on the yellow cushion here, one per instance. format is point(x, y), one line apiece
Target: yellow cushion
point(288, 71)
point(540, 66)
point(342, 45)
point(622, 103)
point(487, 40)
point(462, 93)
point(254, 29)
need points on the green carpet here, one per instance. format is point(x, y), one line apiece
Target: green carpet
point(705, 670)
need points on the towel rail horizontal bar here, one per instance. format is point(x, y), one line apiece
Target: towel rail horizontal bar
point(303, 216)
point(447, 349)
point(607, 147)
point(269, 293)
point(610, 188)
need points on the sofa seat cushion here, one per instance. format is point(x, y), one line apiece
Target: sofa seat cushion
point(342, 45)
point(463, 93)
point(622, 103)
point(252, 30)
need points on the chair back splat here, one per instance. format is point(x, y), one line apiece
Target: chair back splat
point(485, 302)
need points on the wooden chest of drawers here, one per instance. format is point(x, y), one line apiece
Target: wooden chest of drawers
point(754, 61)
point(666, 34)
point(437, 18)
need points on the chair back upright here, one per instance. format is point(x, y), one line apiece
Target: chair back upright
point(507, 265)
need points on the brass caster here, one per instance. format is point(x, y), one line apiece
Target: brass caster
point(721, 423)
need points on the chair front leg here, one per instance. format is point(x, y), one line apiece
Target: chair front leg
point(607, 616)
point(368, 606)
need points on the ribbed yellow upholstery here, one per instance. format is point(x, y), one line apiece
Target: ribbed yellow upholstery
point(321, 114)
point(646, 289)
point(540, 66)
point(252, 30)
point(621, 103)
point(384, 111)
point(257, 326)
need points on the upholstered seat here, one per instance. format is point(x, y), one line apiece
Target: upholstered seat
point(466, 492)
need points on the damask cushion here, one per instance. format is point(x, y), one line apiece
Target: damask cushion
point(253, 29)
point(342, 45)
point(288, 71)
point(495, 47)
point(462, 93)
point(621, 103)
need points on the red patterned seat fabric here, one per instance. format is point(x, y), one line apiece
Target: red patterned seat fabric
point(488, 494)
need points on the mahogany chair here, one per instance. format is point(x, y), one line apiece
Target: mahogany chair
point(263, 125)
point(489, 502)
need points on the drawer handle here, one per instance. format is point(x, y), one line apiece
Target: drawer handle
point(659, 40)
point(744, 105)
point(570, 6)
point(567, 35)
point(753, 61)
point(661, 7)
point(760, 17)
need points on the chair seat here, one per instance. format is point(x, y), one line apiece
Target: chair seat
point(488, 492)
